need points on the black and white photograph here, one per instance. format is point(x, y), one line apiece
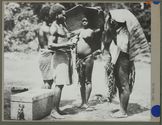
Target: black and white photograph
point(76, 61)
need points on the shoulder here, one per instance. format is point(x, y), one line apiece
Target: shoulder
point(54, 28)
point(80, 30)
point(87, 30)
point(44, 29)
point(54, 24)
point(90, 30)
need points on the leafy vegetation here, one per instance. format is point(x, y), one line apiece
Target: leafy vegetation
point(21, 21)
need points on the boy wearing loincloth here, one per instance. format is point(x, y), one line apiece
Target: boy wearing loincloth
point(85, 61)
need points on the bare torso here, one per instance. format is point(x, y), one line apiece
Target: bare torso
point(59, 33)
point(84, 47)
point(43, 35)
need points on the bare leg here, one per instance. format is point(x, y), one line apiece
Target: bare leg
point(81, 73)
point(57, 98)
point(88, 73)
point(88, 92)
point(86, 84)
point(122, 81)
point(124, 98)
point(83, 95)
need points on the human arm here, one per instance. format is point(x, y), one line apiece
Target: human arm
point(54, 37)
point(53, 31)
point(55, 45)
point(97, 30)
point(75, 32)
point(62, 45)
point(100, 29)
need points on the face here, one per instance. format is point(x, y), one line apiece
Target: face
point(110, 24)
point(85, 22)
point(61, 16)
point(108, 34)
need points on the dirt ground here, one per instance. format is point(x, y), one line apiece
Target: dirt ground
point(19, 69)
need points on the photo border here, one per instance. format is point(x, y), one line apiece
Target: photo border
point(156, 58)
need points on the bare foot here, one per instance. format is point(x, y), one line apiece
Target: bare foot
point(56, 115)
point(79, 105)
point(62, 112)
point(86, 107)
point(90, 108)
point(118, 114)
point(83, 106)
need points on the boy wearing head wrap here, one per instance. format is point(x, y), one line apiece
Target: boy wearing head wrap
point(85, 60)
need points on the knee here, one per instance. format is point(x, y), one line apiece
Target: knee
point(88, 82)
point(125, 89)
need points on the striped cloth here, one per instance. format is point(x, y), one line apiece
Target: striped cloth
point(138, 43)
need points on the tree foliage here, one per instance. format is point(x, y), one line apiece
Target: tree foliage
point(21, 21)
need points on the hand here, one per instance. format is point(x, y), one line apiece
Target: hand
point(72, 34)
point(52, 47)
point(68, 35)
point(72, 44)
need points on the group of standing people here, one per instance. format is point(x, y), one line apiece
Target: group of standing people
point(55, 56)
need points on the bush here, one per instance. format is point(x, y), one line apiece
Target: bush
point(21, 22)
point(20, 26)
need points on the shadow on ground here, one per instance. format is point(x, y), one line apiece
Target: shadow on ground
point(134, 108)
point(74, 109)
point(71, 109)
